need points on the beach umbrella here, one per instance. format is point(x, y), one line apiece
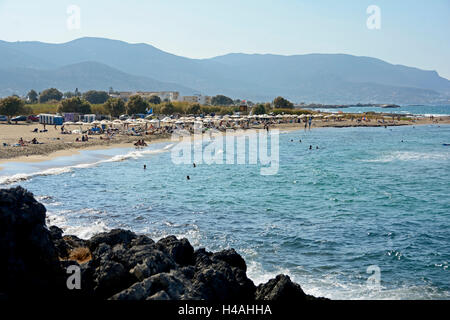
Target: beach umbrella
point(68, 123)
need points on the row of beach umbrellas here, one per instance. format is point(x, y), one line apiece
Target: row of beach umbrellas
point(206, 119)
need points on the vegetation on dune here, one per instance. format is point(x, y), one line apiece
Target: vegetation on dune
point(12, 106)
point(281, 102)
point(99, 102)
point(114, 107)
point(75, 105)
point(221, 100)
point(50, 94)
point(32, 96)
point(136, 104)
point(154, 100)
point(96, 97)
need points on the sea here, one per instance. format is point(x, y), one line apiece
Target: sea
point(366, 215)
point(420, 110)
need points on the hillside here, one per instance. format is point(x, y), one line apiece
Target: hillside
point(325, 78)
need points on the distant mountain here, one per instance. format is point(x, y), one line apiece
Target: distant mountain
point(325, 78)
point(83, 75)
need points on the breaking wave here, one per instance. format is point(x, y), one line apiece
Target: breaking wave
point(411, 156)
point(57, 171)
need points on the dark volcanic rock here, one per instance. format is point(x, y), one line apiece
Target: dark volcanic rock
point(116, 236)
point(281, 289)
point(119, 264)
point(29, 262)
point(180, 250)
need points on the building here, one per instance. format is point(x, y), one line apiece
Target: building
point(198, 98)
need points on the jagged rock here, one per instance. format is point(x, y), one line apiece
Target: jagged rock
point(116, 236)
point(281, 289)
point(232, 258)
point(29, 262)
point(157, 287)
point(65, 244)
point(221, 276)
point(157, 262)
point(161, 295)
point(180, 250)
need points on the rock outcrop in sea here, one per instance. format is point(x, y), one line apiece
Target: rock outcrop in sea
point(39, 262)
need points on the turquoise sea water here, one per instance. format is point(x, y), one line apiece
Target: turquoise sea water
point(364, 198)
point(417, 110)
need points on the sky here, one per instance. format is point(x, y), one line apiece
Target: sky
point(412, 33)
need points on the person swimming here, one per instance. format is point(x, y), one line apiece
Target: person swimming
point(310, 147)
point(194, 165)
point(145, 166)
point(188, 178)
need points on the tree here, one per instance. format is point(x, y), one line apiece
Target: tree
point(259, 109)
point(11, 106)
point(168, 108)
point(32, 96)
point(50, 94)
point(75, 105)
point(136, 105)
point(194, 109)
point(154, 100)
point(221, 100)
point(281, 102)
point(96, 97)
point(115, 106)
point(69, 94)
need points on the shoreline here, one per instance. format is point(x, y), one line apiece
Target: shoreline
point(120, 264)
point(55, 149)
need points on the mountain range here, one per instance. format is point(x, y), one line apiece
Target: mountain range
point(99, 63)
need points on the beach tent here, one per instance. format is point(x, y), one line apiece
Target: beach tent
point(50, 119)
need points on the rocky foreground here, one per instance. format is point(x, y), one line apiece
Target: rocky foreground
point(37, 262)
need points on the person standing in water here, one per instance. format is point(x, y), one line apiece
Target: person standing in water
point(310, 121)
point(145, 166)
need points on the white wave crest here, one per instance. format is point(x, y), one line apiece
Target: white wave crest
point(411, 156)
point(56, 171)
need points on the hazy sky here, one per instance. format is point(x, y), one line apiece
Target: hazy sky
point(413, 33)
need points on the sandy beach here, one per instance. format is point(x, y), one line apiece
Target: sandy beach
point(53, 144)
